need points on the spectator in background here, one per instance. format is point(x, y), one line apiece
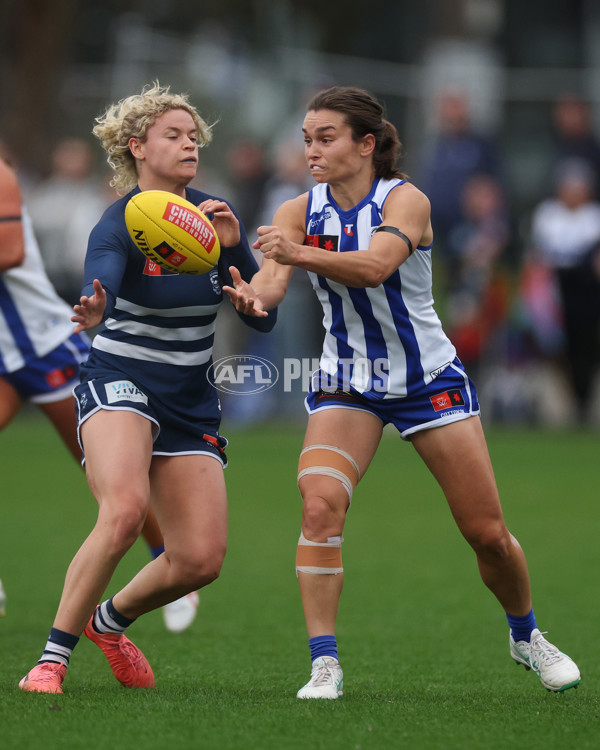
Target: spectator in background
point(456, 152)
point(573, 132)
point(249, 173)
point(565, 236)
point(290, 175)
point(478, 290)
point(65, 206)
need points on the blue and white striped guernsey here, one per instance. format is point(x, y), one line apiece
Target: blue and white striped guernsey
point(385, 342)
point(34, 320)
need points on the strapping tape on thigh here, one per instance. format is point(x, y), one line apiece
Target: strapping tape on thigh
point(329, 461)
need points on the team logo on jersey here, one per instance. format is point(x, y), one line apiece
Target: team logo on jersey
point(325, 241)
point(214, 281)
point(348, 230)
point(446, 400)
point(153, 269)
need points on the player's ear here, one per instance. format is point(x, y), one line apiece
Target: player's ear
point(368, 144)
point(136, 147)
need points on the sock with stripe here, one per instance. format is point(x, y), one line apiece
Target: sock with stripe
point(107, 620)
point(521, 627)
point(59, 647)
point(323, 645)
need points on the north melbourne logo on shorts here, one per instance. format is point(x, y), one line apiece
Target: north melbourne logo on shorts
point(59, 377)
point(446, 400)
point(124, 390)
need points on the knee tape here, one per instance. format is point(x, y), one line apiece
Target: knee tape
point(323, 558)
point(329, 461)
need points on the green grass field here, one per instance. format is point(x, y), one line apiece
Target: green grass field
point(422, 642)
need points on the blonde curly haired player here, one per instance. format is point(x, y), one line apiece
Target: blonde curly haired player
point(148, 416)
point(40, 357)
point(131, 118)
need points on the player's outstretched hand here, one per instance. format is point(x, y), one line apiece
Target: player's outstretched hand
point(89, 311)
point(223, 220)
point(243, 297)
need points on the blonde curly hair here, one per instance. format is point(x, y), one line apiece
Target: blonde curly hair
point(130, 118)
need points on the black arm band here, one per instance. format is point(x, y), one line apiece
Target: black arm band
point(398, 233)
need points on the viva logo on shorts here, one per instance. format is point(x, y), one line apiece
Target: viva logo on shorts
point(124, 390)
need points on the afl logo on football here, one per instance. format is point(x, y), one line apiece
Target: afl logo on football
point(242, 375)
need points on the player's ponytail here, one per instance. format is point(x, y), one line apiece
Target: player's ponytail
point(388, 151)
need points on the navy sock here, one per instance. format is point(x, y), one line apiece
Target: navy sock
point(108, 620)
point(323, 645)
point(59, 647)
point(521, 627)
point(156, 551)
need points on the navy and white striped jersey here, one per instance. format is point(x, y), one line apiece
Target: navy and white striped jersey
point(34, 320)
point(385, 342)
point(159, 326)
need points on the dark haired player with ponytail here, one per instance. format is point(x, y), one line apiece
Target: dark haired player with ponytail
point(364, 235)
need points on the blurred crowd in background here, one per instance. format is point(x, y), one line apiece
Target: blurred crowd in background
point(515, 200)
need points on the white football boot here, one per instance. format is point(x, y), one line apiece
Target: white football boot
point(326, 680)
point(180, 614)
point(556, 670)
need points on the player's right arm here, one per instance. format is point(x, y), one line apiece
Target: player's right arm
point(269, 285)
point(105, 263)
point(12, 242)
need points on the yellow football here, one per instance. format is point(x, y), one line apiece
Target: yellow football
point(172, 232)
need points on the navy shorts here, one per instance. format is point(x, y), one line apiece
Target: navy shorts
point(452, 396)
point(172, 437)
point(52, 377)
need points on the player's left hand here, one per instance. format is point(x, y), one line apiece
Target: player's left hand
point(243, 297)
point(224, 221)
